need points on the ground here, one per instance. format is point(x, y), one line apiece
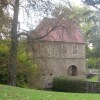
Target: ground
point(15, 93)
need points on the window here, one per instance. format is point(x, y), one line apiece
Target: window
point(63, 50)
point(75, 49)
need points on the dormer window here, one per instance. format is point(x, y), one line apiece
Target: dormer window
point(75, 49)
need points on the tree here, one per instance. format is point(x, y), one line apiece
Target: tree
point(95, 41)
point(5, 23)
point(91, 2)
point(94, 37)
point(36, 5)
point(14, 45)
point(87, 20)
point(83, 16)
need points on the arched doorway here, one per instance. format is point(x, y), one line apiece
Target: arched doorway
point(72, 70)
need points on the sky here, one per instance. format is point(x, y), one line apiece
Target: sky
point(23, 26)
point(76, 2)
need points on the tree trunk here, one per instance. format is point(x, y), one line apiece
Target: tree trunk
point(13, 48)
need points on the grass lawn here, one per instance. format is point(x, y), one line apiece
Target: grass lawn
point(93, 79)
point(15, 93)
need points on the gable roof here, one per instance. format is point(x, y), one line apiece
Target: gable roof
point(64, 31)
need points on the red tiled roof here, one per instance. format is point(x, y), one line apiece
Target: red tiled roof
point(68, 33)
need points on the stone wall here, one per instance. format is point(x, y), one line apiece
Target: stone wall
point(58, 50)
point(54, 59)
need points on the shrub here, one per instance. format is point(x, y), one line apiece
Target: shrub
point(25, 66)
point(69, 84)
point(3, 66)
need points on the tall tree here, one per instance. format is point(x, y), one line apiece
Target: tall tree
point(29, 6)
point(96, 39)
point(14, 45)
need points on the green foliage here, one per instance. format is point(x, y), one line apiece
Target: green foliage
point(93, 79)
point(69, 84)
point(15, 93)
point(94, 32)
point(93, 56)
point(91, 63)
point(4, 48)
point(25, 66)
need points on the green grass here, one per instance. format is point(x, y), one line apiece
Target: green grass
point(15, 93)
point(93, 79)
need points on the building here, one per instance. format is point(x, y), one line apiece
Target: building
point(60, 53)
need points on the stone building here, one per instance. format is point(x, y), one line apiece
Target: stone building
point(60, 53)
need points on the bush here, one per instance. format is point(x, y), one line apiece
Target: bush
point(3, 66)
point(69, 84)
point(25, 66)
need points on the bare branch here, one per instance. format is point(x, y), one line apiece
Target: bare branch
point(96, 7)
point(11, 4)
point(38, 38)
point(27, 34)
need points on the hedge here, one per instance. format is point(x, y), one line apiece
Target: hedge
point(69, 84)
